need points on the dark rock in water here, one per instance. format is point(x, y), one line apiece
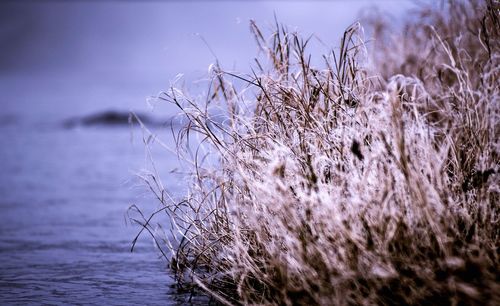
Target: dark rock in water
point(108, 118)
point(112, 118)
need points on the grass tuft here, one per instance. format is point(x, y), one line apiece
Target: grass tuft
point(372, 179)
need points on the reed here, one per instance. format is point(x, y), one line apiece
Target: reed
point(372, 179)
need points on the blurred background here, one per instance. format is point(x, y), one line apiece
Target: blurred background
point(70, 71)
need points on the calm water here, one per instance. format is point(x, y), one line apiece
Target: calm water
point(64, 193)
point(63, 236)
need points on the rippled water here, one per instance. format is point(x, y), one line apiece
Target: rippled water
point(63, 235)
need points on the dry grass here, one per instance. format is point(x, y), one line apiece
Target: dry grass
point(370, 180)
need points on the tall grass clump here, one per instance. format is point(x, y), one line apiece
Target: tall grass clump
point(369, 179)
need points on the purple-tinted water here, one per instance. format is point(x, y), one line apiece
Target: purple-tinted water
point(63, 236)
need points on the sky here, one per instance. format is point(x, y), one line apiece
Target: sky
point(60, 58)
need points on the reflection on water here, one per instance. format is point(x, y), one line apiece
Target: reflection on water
point(63, 237)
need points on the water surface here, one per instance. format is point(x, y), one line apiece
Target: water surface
point(63, 231)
